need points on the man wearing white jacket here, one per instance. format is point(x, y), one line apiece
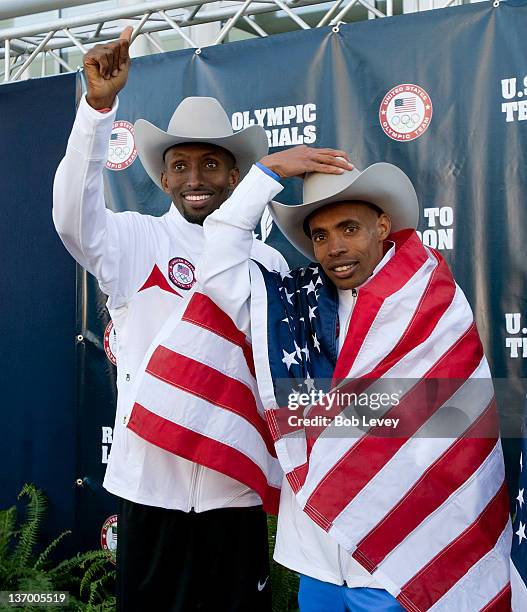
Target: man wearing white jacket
point(189, 537)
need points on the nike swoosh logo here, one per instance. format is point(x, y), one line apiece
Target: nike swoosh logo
point(261, 586)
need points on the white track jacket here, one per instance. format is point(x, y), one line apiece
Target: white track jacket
point(129, 254)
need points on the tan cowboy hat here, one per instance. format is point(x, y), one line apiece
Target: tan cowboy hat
point(382, 184)
point(198, 119)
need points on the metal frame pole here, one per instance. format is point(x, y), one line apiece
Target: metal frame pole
point(18, 8)
point(37, 50)
point(7, 59)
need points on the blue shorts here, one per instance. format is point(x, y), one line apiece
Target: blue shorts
point(318, 596)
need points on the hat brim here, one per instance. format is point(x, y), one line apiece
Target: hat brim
point(247, 146)
point(382, 184)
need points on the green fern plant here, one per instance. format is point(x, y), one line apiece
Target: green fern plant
point(86, 576)
point(284, 582)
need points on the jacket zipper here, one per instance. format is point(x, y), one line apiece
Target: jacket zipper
point(194, 487)
point(354, 294)
point(341, 571)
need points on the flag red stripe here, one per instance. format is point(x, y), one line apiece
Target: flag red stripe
point(371, 452)
point(436, 484)
point(453, 562)
point(204, 451)
point(411, 255)
point(202, 311)
point(502, 601)
point(272, 424)
point(297, 477)
point(210, 385)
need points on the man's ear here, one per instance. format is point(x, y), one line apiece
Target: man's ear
point(164, 182)
point(384, 226)
point(234, 177)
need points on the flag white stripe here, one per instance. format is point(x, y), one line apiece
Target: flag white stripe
point(483, 581)
point(259, 337)
point(291, 450)
point(391, 328)
point(519, 590)
point(455, 515)
point(209, 420)
point(214, 351)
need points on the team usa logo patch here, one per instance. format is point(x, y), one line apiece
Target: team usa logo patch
point(110, 342)
point(405, 112)
point(181, 273)
point(122, 150)
point(109, 537)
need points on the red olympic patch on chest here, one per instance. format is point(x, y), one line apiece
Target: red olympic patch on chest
point(181, 272)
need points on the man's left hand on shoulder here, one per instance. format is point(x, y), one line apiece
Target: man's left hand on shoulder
point(299, 160)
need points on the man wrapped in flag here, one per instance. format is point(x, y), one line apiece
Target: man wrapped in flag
point(372, 521)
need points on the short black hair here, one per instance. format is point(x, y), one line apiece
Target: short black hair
point(180, 144)
point(374, 207)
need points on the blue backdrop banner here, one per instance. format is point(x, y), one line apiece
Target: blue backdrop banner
point(38, 410)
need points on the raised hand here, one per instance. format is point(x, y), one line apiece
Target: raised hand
point(299, 160)
point(106, 69)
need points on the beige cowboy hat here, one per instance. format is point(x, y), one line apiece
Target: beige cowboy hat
point(198, 119)
point(382, 184)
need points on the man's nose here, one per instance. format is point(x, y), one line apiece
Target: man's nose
point(194, 177)
point(336, 246)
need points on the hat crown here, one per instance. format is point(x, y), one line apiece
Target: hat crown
point(200, 117)
point(319, 186)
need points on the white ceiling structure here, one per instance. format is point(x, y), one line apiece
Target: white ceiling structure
point(158, 23)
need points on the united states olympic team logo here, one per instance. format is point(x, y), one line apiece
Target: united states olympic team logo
point(110, 342)
point(405, 112)
point(109, 537)
point(181, 272)
point(122, 150)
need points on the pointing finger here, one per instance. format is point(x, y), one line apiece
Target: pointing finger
point(126, 34)
point(116, 59)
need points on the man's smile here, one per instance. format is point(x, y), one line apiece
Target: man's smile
point(197, 199)
point(344, 269)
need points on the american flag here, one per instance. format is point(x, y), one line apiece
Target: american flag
point(426, 514)
point(405, 105)
point(519, 543)
point(198, 399)
point(118, 139)
point(183, 269)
